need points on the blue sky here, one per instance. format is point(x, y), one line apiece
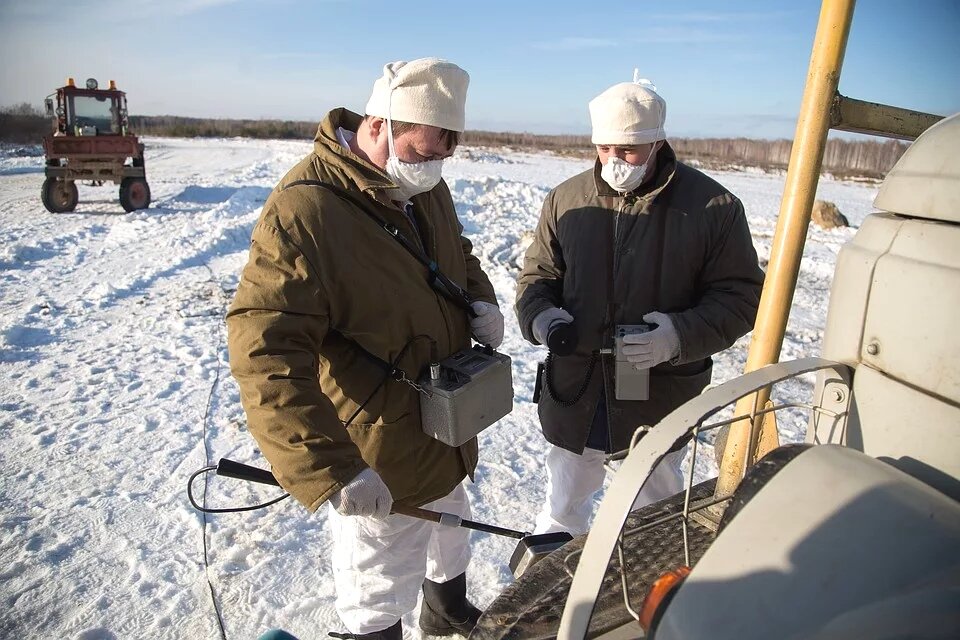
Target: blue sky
point(725, 68)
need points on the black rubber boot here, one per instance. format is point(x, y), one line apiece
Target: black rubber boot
point(446, 610)
point(391, 633)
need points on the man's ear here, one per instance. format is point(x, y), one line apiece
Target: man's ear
point(378, 127)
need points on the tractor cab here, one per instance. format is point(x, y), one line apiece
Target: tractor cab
point(90, 111)
point(91, 141)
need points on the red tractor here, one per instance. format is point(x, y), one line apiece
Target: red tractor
point(90, 141)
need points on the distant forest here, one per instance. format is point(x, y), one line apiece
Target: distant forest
point(23, 124)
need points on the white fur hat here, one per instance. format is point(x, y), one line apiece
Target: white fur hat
point(628, 113)
point(424, 91)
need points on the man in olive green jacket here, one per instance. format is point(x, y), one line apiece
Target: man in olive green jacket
point(638, 239)
point(329, 302)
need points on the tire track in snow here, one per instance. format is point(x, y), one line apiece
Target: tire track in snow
point(102, 383)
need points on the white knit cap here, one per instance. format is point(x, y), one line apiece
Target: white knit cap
point(628, 113)
point(424, 91)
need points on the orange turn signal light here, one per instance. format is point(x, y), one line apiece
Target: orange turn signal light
point(660, 591)
point(70, 82)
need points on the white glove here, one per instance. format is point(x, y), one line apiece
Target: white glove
point(365, 495)
point(647, 350)
point(545, 320)
point(487, 327)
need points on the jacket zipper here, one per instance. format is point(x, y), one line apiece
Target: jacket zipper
point(625, 202)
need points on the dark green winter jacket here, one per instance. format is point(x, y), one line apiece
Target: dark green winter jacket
point(680, 245)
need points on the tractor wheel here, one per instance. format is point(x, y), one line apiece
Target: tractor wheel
point(134, 194)
point(59, 196)
point(758, 476)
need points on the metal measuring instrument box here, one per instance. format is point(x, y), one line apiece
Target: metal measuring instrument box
point(465, 394)
point(629, 382)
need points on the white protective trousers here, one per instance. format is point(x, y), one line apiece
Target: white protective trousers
point(379, 565)
point(572, 481)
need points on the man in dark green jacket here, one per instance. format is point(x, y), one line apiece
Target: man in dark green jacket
point(638, 239)
point(328, 301)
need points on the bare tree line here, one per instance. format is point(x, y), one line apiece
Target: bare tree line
point(181, 127)
point(854, 157)
point(24, 124)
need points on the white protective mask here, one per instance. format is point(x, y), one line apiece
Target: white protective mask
point(623, 176)
point(411, 178)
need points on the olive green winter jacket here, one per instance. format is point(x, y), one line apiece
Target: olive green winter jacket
point(326, 297)
point(680, 245)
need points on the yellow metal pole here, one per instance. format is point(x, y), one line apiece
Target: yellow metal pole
point(800, 189)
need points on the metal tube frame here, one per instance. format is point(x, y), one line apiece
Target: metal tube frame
point(873, 118)
point(822, 108)
point(636, 468)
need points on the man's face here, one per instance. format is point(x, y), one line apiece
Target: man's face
point(633, 154)
point(419, 144)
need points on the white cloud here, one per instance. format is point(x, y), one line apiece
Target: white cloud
point(648, 35)
point(705, 16)
point(575, 44)
point(84, 13)
point(685, 35)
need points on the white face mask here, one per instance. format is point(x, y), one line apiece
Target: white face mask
point(623, 176)
point(411, 178)
point(620, 174)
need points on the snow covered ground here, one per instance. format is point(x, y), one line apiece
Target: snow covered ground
point(116, 387)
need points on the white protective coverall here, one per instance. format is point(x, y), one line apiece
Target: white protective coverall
point(573, 480)
point(379, 565)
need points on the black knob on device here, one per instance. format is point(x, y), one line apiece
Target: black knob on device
point(562, 338)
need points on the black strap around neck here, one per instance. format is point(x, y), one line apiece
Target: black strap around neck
point(437, 280)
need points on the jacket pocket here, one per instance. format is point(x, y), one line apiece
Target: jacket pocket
point(566, 380)
point(538, 384)
point(470, 454)
point(680, 384)
point(390, 449)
